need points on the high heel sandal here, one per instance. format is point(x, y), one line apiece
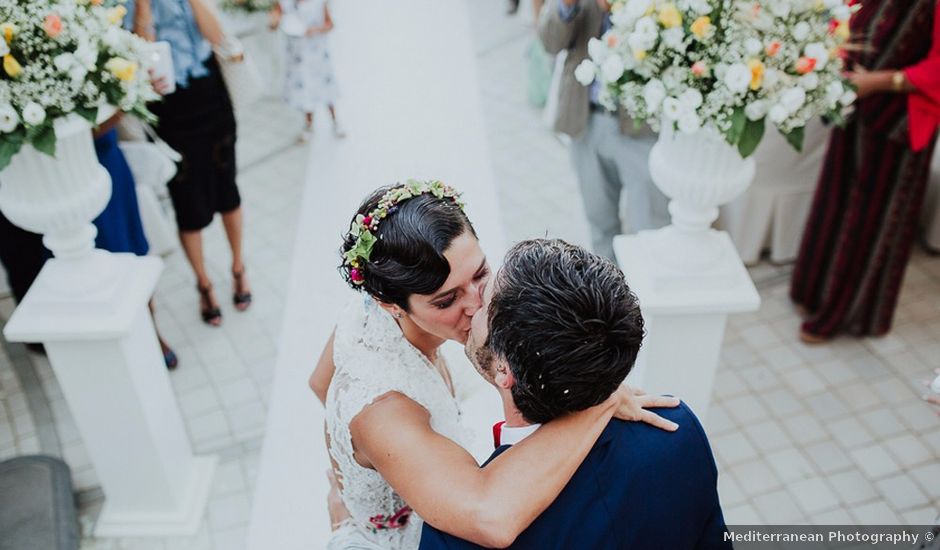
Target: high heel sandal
point(241, 299)
point(211, 315)
point(169, 356)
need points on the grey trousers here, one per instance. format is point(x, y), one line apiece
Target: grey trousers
point(607, 163)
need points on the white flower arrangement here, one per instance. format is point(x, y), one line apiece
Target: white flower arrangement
point(730, 64)
point(63, 57)
point(247, 6)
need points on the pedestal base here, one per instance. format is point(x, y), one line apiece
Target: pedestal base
point(685, 314)
point(104, 351)
point(180, 522)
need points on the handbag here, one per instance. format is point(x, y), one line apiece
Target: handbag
point(153, 164)
point(241, 75)
point(242, 78)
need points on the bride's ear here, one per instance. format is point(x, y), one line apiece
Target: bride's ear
point(392, 309)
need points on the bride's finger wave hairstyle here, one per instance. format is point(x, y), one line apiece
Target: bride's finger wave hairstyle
point(408, 255)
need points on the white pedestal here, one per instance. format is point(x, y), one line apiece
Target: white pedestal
point(105, 354)
point(685, 314)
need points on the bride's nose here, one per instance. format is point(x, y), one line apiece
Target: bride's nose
point(474, 300)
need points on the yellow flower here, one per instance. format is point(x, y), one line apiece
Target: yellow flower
point(757, 73)
point(12, 66)
point(9, 30)
point(842, 31)
point(639, 55)
point(701, 26)
point(669, 16)
point(116, 15)
point(121, 68)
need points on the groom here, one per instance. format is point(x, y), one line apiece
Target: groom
point(558, 332)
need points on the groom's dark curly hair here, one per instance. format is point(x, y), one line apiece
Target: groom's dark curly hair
point(567, 325)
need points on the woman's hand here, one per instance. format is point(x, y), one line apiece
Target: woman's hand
point(160, 85)
point(107, 125)
point(632, 405)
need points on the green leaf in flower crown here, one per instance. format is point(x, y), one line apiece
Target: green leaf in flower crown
point(91, 115)
point(795, 138)
point(43, 138)
point(364, 245)
point(750, 137)
point(738, 121)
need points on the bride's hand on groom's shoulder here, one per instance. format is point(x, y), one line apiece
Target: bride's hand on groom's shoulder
point(632, 405)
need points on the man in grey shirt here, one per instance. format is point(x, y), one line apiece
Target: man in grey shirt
point(608, 153)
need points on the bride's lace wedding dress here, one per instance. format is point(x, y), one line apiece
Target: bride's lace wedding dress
point(372, 358)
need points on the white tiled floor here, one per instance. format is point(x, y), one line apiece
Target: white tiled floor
point(827, 434)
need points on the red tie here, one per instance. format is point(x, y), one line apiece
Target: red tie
point(497, 432)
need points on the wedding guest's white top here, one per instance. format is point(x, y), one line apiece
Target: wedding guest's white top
point(373, 358)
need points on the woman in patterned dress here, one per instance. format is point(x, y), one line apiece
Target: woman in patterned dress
point(310, 79)
point(862, 225)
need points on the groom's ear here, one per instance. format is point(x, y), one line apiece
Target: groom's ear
point(504, 378)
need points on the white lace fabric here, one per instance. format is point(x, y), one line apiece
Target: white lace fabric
point(373, 358)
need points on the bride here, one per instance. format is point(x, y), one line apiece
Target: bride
point(393, 422)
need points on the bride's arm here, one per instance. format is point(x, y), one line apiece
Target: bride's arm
point(444, 484)
point(323, 374)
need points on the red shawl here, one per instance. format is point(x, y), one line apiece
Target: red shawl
point(924, 104)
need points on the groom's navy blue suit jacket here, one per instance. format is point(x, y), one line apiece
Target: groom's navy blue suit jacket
point(639, 488)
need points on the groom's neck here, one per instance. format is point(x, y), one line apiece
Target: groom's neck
point(514, 418)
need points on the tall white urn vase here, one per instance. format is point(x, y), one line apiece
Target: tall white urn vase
point(687, 275)
point(89, 308)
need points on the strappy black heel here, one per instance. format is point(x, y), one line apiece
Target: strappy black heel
point(211, 315)
point(241, 299)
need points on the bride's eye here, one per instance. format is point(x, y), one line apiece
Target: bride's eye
point(446, 303)
point(482, 274)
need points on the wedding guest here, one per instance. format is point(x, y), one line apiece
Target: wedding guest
point(22, 255)
point(310, 79)
point(608, 154)
point(198, 121)
point(119, 227)
point(541, 65)
point(862, 226)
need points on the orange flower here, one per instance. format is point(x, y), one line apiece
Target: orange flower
point(805, 65)
point(52, 25)
point(772, 49)
point(97, 2)
point(612, 40)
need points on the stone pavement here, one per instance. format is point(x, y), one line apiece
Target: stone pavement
point(826, 434)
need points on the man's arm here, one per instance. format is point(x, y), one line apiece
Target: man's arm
point(559, 23)
point(444, 484)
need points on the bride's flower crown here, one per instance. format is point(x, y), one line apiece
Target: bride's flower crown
point(364, 228)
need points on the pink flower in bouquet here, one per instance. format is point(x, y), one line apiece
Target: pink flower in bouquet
point(699, 69)
point(52, 25)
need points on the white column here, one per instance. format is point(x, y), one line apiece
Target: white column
point(89, 308)
point(688, 276)
point(685, 315)
point(106, 358)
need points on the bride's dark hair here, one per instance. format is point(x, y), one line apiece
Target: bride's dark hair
point(408, 255)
